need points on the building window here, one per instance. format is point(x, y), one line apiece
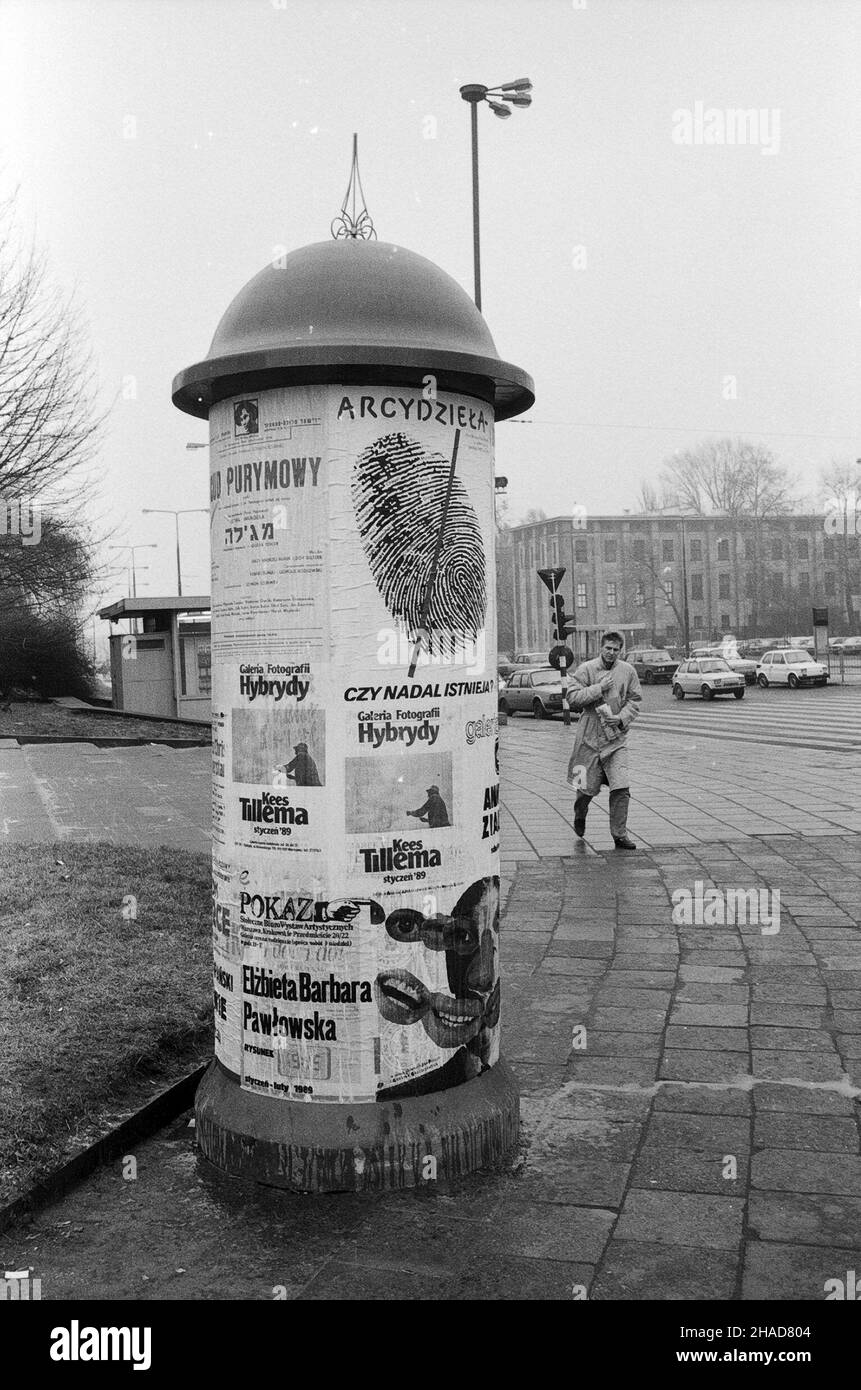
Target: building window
point(698, 622)
point(696, 550)
point(611, 595)
point(777, 550)
point(828, 548)
point(802, 549)
point(610, 552)
point(668, 550)
point(696, 586)
point(804, 582)
point(554, 553)
point(723, 586)
point(581, 552)
point(638, 549)
point(668, 590)
point(776, 585)
point(639, 596)
point(830, 586)
point(724, 621)
point(581, 595)
point(723, 549)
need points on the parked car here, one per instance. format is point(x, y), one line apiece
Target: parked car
point(707, 676)
point(805, 643)
point(537, 691)
point(851, 646)
point(504, 664)
point(755, 646)
point(792, 667)
point(652, 664)
point(741, 664)
point(531, 658)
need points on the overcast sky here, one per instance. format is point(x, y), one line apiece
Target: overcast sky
point(163, 148)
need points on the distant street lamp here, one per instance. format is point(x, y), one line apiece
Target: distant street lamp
point(169, 511)
point(133, 548)
point(516, 94)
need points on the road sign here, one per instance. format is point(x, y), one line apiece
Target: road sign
point(552, 577)
point(561, 657)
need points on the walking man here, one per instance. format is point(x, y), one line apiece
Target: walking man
point(607, 692)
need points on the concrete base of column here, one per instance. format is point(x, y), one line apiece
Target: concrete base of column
point(373, 1147)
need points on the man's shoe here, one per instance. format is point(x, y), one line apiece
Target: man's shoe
point(625, 843)
point(580, 826)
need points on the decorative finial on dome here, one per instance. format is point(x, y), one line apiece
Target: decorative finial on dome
point(347, 224)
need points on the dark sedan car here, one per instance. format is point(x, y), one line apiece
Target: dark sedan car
point(652, 664)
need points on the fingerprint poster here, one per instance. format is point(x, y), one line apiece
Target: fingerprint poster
point(354, 679)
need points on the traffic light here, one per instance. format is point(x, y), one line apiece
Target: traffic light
point(557, 609)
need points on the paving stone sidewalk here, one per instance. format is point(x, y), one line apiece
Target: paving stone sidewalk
point(690, 1098)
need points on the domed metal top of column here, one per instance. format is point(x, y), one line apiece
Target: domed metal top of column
point(352, 311)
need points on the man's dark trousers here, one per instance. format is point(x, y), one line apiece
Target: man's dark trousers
point(618, 811)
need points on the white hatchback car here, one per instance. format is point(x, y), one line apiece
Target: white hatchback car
point(707, 676)
point(792, 667)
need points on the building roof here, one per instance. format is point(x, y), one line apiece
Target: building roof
point(582, 523)
point(139, 607)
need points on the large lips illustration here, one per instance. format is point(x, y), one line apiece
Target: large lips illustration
point(449, 1022)
point(401, 998)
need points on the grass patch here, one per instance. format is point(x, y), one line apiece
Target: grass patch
point(31, 719)
point(92, 1001)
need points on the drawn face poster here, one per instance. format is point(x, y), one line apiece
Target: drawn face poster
point(355, 774)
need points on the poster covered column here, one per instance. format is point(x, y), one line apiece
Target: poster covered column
point(356, 772)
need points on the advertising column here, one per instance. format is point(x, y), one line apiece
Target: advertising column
point(355, 757)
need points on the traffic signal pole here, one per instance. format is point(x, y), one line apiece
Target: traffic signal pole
point(560, 656)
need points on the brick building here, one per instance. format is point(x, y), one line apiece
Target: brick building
point(627, 572)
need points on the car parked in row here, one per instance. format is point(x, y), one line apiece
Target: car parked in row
point(792, 667)
point(652, 664)
point(742, 665)
point(522, 659)
point(707, 676)
point(537, 691)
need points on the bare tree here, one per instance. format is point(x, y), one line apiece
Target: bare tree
point(48, 417)
point(49, 425)
point(742, 481)
point(728, 476)
point(649, 498)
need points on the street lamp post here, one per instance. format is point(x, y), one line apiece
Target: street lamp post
point(516, 94)
point(685, 613)
point(133, 548)
point(169, 511)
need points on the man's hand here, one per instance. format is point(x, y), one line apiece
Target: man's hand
point(606, 683)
